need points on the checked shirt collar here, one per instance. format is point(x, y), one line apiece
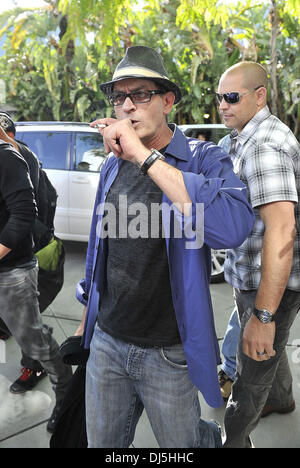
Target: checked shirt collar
point(237, 140)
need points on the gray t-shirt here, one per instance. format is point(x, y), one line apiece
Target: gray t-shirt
point(137, 305)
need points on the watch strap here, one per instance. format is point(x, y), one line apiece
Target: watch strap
point(154, 156)
point(263, 315)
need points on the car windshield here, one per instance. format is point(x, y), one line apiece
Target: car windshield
point(89, 152)
point(206, 133)
point(51, 148)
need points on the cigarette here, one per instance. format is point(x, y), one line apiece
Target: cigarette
point(100, 126)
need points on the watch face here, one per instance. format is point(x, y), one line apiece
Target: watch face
point(265, 316)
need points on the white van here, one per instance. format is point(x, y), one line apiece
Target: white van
point(72, 155)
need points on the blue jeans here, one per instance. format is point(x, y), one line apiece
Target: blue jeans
point(230, 344)
point(123, 379)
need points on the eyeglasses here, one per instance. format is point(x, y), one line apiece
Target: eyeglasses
point(234, 97)
point(137, 97)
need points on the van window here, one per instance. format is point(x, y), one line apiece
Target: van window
point(51, 148)
point(89, 152)
point(212, 134)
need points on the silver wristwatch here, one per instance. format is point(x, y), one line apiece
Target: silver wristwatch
point(154, 156)
point(263, 315)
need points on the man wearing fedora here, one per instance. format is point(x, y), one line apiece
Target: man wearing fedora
point(148, 316)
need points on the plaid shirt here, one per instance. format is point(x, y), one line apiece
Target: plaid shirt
point(266, 156)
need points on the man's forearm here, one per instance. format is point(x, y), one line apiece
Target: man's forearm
point(276, 262)
point(277, 256)
point(170, 181)
point(80, 329)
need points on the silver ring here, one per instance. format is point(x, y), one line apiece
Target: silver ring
point(261, 354)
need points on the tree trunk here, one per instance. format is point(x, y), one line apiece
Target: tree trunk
point(274, 18)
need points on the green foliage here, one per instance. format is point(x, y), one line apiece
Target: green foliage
point(202, 12)
point(56, 57)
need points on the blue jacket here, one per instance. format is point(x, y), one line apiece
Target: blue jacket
point(228, 220)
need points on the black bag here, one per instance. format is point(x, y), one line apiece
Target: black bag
point(72, 351)
point(46, 200)
point(70, 428)
point(50, 282)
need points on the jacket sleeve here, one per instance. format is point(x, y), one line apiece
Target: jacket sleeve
point(17, 196)
point(228, 216)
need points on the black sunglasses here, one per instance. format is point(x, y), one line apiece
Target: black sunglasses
point(234, 97)
point(137, 97)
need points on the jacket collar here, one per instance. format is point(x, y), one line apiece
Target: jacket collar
point(177, 145)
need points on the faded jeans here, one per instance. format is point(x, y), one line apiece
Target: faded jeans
point(230, 345)
point(123, 379)
point(259, 383)
point(19, 310)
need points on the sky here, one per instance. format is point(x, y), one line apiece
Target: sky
point(9, 4)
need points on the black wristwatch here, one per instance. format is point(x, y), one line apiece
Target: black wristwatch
point(154, 156)
point(263, 315)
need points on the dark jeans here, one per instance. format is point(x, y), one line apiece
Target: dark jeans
point(259, 383)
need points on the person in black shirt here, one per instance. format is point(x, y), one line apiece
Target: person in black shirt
point(32, 371)
point(19, 307)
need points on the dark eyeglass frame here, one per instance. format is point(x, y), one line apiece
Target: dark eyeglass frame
point(124, 96)
point(234, 97)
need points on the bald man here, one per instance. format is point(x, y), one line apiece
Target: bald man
point(265, 270)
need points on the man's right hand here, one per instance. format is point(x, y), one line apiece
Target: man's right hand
point(80, 329)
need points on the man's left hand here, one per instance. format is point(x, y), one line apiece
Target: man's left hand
point(119, 136)
point(259, 338)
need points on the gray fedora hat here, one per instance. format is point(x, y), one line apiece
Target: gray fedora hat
point(142, 62)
